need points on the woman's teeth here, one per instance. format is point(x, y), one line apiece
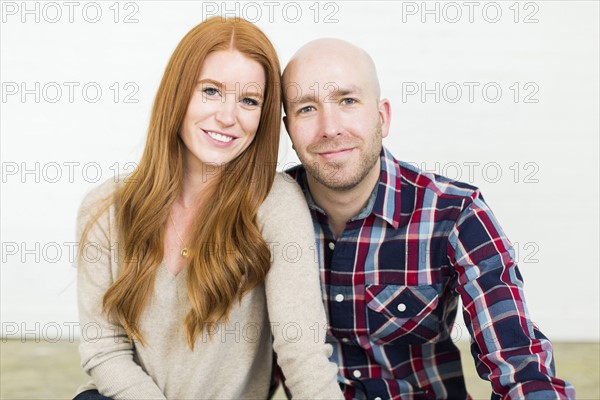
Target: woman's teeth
point(219, 137)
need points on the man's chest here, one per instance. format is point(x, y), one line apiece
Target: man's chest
point(385, 286)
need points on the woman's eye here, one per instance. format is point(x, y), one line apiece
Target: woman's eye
point(249, 101)
point(210, 91)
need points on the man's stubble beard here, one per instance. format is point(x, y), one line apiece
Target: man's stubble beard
point(330, 174)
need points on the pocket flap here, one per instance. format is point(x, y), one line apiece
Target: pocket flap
point(401, 301)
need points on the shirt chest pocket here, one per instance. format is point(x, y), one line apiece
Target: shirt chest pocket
point(403, 314)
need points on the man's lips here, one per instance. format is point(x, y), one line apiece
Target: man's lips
point(331, 154)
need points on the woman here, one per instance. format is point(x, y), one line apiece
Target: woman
point(181, 263)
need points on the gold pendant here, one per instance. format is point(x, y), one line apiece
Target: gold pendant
point(184, 252)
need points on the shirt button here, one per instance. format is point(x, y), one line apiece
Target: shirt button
point(401, 307)
point(345, 340)
point(339, 297)
point(331, 245)
point(377, 398)
point(356, 373)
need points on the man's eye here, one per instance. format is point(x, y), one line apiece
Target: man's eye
point(249, 101)
point(306, 109)
point(348, 101)
point(210, 91)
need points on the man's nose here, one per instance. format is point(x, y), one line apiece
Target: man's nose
point(227, 111)
point(330, 122)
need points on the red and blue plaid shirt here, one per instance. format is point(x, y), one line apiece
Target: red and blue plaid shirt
point(391, 284)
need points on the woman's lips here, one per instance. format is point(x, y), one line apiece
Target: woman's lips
point(220, 138)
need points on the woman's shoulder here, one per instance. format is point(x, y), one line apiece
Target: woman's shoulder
point(284, 200)
point(284, 190)
point(101, 191)
point(101, 195)
point(98, 205)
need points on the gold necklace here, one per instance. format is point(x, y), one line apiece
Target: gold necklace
point(184, 252)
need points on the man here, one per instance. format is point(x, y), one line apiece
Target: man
point(398, 246)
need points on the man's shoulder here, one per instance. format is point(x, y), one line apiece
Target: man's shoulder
point(433, 184)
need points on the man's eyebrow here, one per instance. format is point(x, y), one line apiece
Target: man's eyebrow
point(307, 98)
point(335, 93)
point(345, 91)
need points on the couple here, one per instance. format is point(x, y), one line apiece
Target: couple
point(207, 261)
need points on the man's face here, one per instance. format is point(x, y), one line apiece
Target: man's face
point(335, 120)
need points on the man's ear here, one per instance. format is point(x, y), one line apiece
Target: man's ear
point(285, 123)
point(385, 116)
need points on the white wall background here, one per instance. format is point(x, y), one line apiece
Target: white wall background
point(532, 149)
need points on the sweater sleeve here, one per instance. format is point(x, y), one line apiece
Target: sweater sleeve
point(294, 300)
point(106, 353)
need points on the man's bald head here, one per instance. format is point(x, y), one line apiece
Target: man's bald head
point(334, 115)
point(334, 61)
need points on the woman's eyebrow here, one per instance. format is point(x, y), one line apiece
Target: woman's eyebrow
point(208, 81)
point(248, 90)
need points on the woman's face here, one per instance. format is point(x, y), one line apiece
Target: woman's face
point(223, 114)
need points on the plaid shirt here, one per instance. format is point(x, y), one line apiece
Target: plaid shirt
point(391, 284)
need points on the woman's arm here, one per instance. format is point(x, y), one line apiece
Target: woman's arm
point(106, 354)
point(294, 300)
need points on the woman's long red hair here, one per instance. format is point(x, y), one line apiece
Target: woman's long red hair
point(228, 253)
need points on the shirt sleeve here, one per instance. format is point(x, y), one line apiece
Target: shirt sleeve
point(294, 301)
point(106, 353)
point(508, 348)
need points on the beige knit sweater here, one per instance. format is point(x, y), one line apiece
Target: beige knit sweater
point(236, 362)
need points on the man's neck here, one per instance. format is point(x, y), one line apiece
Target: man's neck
point(341, 205)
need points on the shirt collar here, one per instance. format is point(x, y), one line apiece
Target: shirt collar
point(384, 201)
point(386, 194)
